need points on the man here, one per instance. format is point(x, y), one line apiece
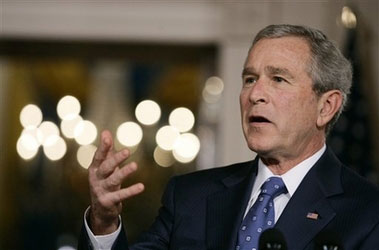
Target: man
point(295, 83)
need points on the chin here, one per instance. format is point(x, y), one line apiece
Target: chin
point(258, 147)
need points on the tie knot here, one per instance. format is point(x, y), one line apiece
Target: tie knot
point(274, 186)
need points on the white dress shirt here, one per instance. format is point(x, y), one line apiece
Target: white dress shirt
point(291, 179)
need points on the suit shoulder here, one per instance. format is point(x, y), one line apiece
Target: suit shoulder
point(356, 182)
point(199, 184)
point(217, 172)
point(359, 188)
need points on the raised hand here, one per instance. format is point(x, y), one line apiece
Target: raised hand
point(105, 178)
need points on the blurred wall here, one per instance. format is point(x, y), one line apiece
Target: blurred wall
point(229, 25)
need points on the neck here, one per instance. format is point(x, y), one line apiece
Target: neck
point(281, 164)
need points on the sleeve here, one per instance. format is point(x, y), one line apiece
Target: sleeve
point(100, 242)
point(159, 236)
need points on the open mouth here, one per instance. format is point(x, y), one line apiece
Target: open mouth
point(258, 119)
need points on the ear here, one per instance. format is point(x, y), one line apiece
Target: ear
point(328, 105)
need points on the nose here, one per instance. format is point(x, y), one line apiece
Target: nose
point(258, 92)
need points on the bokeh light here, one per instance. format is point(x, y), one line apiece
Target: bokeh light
point(66, 242)
point(166, 137)
point(68, 107)
point(186, 148)
point(85, 132)
point(163, 158)
point(30, 116)
point(182, 119)
point(148, 112)
point(214, 85)
point(348, 18)
point(66, 248)
point(68, 126)
point(29, 138)
point(24, 151)
point(85, 154)
point(47, 133)
point(57, 150)
point(129, 134)
point(213, 89)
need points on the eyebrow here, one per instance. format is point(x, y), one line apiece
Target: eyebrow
point(248, 71)
point(278, 71)
point(270, 70)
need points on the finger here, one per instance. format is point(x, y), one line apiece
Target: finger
point(108, 166)
point(106, 144)
point(116, 178)
point(125, 193)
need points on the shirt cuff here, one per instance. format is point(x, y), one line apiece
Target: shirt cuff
point(101, 242)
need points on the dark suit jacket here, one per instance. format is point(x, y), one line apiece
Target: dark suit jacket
point(203, 210)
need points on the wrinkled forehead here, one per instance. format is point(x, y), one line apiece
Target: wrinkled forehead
point(292, 49)
point(305, 39)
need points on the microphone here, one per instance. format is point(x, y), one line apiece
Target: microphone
point(272, 239)
point(328, 240)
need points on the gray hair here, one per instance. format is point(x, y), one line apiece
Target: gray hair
point(328, 68)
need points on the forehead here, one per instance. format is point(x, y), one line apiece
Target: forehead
point(289, 52)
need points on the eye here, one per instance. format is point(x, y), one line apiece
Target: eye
point(249, 80)
point(279, 79)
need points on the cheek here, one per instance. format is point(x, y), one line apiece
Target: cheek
point(243, 101)
point(291, 108)
point(301, 112)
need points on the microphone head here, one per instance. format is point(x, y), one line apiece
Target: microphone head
point(272, 239)
point(328, 240)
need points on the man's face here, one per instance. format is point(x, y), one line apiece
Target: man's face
point(278, 106)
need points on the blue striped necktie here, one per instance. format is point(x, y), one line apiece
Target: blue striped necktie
point(261, 215)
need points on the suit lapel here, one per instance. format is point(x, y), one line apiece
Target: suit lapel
point(225, 209)
point(298, 221)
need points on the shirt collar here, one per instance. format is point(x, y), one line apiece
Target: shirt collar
point(292, 178)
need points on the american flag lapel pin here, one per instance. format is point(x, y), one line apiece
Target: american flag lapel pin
point(312, 216)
